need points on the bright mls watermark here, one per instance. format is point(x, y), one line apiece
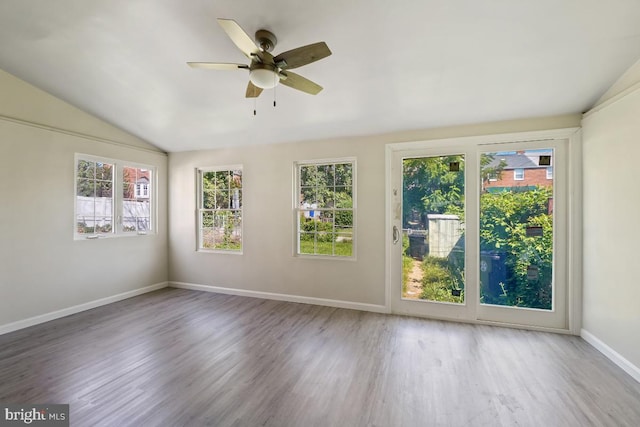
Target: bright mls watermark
point(55, 415)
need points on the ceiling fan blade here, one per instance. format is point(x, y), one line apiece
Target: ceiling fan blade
point(253, 91)
point(300, 56)
point(239, 37)
point(298, 82)
point(217, 66)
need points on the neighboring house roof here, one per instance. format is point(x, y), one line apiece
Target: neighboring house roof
point(519, 160)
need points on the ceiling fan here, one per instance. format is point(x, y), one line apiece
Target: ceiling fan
point(266, 70)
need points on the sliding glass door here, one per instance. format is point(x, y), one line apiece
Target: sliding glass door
point(522, 234)
point(478, 232)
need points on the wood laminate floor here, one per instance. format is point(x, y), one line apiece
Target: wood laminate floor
point(176, 357)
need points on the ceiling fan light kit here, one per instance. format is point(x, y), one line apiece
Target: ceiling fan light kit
point(266, 70)
point(264, 78)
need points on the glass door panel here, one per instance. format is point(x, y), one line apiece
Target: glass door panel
point(433, 229)
point(522, 234)
point(516, 229)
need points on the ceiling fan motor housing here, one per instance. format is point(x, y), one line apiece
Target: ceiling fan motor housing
point(266, 40)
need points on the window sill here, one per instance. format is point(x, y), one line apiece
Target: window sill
point(219, 251)
point(326, 257)
point(81, 237)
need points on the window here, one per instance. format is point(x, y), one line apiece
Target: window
point(220, 209)
point(325, 208)
point(518, 174)
point(102, 212)
point(550, 172)
point(136, 206)
point(94, 197)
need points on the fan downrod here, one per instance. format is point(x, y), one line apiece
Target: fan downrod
point(266, 40)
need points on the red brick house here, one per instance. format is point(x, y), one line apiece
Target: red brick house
point(521, 169)
point(137, 183)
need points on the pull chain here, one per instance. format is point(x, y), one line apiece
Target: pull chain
point(275, 84)
point(254, 106)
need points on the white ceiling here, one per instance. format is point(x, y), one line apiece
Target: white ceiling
point(396, 65)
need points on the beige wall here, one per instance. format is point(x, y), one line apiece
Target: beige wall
point(611, 143)
point(43, 269)
point(267, 264)
point(25, 102)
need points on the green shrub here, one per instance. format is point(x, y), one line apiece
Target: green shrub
point(504, 219)
point(323, 230)
point(405, 244)
point(438, 281)
point(311, 225)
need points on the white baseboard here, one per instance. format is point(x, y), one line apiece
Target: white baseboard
point(611, 354)
point(282, 297)
point(31, 321)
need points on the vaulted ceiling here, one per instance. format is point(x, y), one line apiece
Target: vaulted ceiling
point(396, 65)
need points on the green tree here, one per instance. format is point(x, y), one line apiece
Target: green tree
point(94, 179)
point(328, 186)
point(431, 186)
point(490, 169)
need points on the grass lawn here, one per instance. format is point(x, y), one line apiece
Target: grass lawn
point(407, 265)
point(326, 248)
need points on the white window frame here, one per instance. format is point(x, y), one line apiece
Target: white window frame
point(297, 206)
point(516, 176)
point(116, 197)
point(200, 209)
point(549, 172)
point(148, 196)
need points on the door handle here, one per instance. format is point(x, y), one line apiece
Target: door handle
point(396, 235)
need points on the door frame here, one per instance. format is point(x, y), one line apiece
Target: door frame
point(467, 145)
